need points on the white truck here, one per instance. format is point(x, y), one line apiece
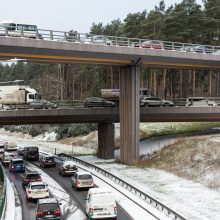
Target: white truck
point(16, 95)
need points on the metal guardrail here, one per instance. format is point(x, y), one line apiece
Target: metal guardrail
point(74, 36)
point(3, 192)
point(145, 197)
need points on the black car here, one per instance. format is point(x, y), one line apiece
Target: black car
point(98, 102)
point(67, 168)
point(31, 153)
point(20, 150)
point(48, 209)
point(30, 177)
point(47, 161)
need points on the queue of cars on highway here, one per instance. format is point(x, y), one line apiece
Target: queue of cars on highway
point(19, 29)
point(99, 203)
point(151, 101)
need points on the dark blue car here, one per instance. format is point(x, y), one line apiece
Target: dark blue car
point(17, 165)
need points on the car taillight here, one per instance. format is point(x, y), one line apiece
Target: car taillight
point(46, 190)
point(12, 166)
point(115, 210)
point(91, 210)
point(39, 179)
point(57, 212)
point(39, 214)
point(77, 182)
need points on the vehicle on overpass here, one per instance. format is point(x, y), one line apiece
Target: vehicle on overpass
point(199, 102)
point(99, 39)
point(101, 203)
point(155, 101)
point(19, 29)
point(97, 102)
point(16, 95)
point(114, 94)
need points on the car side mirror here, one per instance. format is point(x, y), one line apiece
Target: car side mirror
point(60, 203)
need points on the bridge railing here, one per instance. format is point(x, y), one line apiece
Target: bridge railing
point(76, 37)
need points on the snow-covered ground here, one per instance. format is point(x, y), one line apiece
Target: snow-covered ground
point(190, 199)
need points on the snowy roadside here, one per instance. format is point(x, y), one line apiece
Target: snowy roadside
point(13, 209)
point(190, 199)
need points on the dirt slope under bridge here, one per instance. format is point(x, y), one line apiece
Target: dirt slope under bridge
point(195, 158)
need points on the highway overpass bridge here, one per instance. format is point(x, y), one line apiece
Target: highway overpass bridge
point(127, 57)
point(105, 117)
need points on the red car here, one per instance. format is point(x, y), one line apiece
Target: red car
point(151, 44)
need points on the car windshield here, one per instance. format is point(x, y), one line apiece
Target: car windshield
point(49, 158)
point(33, 149)
point(17, 162)
point(38, 187)
point(48, 206)
point(27, 27)
point(103, 199)
point(33, 176)
point(85, 177)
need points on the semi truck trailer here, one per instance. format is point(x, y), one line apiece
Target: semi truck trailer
point(14, 94)
point(113, 94)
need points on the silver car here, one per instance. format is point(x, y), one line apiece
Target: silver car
point(155, 101)
point(99, 39)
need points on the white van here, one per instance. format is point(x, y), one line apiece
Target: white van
point(101, 204)
point(19, 29)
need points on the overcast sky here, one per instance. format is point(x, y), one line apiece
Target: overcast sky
point(64, 15)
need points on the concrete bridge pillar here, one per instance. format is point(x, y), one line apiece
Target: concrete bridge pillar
point(106, 140)
point(129, 114)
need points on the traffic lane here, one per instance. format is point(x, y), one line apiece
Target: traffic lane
point(69, 207)
point(79, 195)
point(28, 207)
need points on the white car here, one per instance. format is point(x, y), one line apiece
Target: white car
point(99, 39)
point(101, 203)
point(10, 145)
point(37, 190)
point(199, 102)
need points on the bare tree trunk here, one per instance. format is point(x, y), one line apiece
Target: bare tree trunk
point(112, 78)
point(193, 82)
point(210, 83)
point(164, 82)
point(155, 81)
point(181, 83)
